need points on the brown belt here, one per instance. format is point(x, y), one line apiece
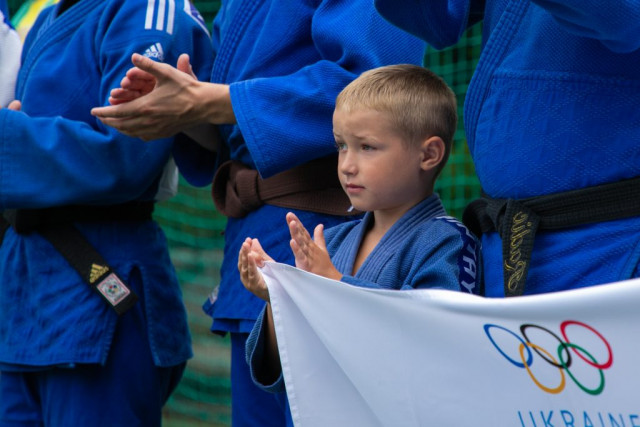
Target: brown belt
point(314, 186)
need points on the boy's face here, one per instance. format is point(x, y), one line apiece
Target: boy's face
point(377, 169)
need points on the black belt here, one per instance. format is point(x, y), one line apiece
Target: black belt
point(518, 220)
point(56, 225)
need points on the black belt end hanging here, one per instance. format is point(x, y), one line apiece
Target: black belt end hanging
point(55, 225)
point(518, 232)
point(93, 269)
point(111, 288)
point(517, 225)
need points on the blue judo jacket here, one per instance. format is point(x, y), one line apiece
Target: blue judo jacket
point(552, 107)
point(55, 153)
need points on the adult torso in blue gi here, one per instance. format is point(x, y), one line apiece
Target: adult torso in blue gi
point(551, 107)
point(54, 153)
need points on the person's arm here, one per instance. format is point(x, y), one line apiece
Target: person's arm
point(250, 257)
point(269, 379)
point(138, 83)
point(80, 161)
point(262, 354)
point(284, 115)
point(616, 23)
point(177, 103)
point(440, 23)
point(285, 118)
point(74, 164)
point(270, 369)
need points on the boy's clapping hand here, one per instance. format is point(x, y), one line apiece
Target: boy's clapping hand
point(251, 257)
point(311, 255)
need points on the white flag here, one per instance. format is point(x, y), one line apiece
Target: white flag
point(362, 357)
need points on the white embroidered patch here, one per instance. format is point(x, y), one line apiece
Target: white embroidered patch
point(113, 289)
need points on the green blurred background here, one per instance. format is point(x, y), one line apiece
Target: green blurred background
point(194, 230)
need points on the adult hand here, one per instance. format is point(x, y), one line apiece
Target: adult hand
point(177, 101)
point(134, 84)
point(311, 255)
point(137, 82)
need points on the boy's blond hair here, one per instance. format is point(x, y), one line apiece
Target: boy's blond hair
point(419, 102)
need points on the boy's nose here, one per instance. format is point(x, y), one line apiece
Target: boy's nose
point(346, 164)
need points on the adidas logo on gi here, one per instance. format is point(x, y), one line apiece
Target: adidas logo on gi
point(155, 51)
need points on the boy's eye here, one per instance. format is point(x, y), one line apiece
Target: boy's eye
point(341, 146)
point(367, 147)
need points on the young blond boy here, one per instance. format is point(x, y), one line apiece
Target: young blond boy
point(393, 128)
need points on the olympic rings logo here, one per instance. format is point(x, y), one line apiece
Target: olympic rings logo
point(564, 350)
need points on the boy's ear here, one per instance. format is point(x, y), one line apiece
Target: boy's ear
point(432, 152)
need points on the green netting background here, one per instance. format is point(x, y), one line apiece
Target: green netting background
point(194, 231)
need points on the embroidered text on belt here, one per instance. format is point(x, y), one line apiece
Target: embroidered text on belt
point(518, 220)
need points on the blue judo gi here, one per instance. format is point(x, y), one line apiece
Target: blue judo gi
point(54, 153)
point(552, 107)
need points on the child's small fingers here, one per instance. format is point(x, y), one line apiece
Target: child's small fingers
point(242, 254)
point(255, 245)
point(300, 234)
point(318, 236)
point(302, 258)
point(249, 269)
point(291, 217)
point(298, 250)
point(294, 248)
point(294, 230)
point(250, 273)
point(255, 261)
point(300, 245)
